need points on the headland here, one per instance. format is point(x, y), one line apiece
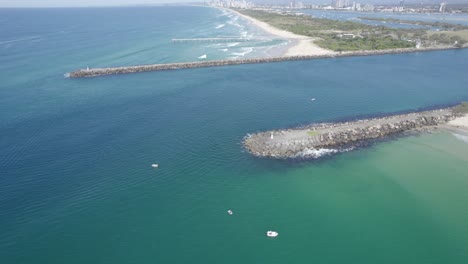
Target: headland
point(299, 142)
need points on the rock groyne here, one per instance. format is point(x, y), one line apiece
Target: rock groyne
point(299, 142)
point(186, 65)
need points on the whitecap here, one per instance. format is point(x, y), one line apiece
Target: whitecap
point(233, 44)
point(220, 26)
point(461, 137)
point(20, 39)
point(244, 51)
point(317, 153)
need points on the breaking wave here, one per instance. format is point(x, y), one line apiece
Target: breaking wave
point(461, 137)
point(318, 153)
point(220, 26)
point(243, 52)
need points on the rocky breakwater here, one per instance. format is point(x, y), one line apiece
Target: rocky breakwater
point(332, 137)
point(92, 72)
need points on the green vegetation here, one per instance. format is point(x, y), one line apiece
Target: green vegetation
point(370, 43)
point(312, 133)
point(461, 108)
point(458, 40)
point(351, 36)
point(445, 26)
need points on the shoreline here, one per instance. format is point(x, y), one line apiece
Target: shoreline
point(459, 125)
point(306, 142)
point(298, 48)
point(299, 45)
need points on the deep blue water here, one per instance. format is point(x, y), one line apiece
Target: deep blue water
point(76, 183)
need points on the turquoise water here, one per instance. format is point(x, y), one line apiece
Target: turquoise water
point(76, 184)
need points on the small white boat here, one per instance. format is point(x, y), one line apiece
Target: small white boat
point(272, 234)
point(230, 212)
point(202, 57)
point(313, 99)
point(155, 165)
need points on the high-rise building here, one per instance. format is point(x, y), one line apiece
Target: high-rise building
point(442, 7)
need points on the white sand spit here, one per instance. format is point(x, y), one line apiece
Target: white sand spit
point(302, 45)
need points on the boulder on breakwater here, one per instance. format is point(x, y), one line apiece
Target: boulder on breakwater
point(82, 73)
point(297, 142)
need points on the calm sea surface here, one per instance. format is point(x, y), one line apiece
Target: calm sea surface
point(461, 19)
point(76, 185)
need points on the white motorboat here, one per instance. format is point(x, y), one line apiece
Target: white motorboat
point(272, 234)
point(313, 99)
point(155, 165)
point(230, 212)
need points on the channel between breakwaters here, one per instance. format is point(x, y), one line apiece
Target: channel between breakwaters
point(306, 141)
point(93, 72)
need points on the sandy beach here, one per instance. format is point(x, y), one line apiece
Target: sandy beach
point(460, 123)
point(300, 45)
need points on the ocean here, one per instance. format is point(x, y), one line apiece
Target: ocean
point(77, 185)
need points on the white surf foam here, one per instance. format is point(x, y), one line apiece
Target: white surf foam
point(461, 137)
point(202, 57)
point(317, 153)
point(220, 26)
point(244, 51)
point(233, 44)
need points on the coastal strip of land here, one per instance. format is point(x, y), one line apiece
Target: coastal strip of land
point(313, 38)
point(93, 72)
point(343, 36)
point(302, 45)
point(299, 142)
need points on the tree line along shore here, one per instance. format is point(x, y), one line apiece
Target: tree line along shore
point(351, 36)
point(297, 142)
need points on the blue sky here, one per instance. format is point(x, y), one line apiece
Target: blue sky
point(58, 3)
point(70, 3)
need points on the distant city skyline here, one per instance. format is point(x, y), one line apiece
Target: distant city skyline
point(90, 3)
